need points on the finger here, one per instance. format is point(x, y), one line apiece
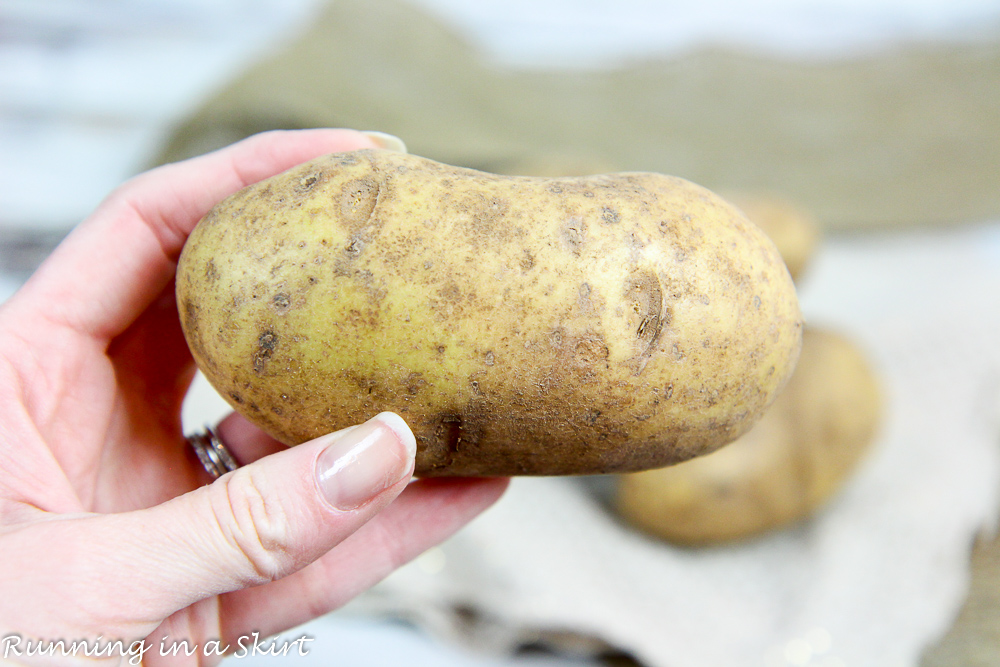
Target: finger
point(152, 361)
point(115, 263)
point(258, 523)
point(427, 513)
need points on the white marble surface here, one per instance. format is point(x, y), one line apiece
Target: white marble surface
point(89, 87)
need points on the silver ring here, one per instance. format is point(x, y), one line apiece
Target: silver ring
point(213, 455)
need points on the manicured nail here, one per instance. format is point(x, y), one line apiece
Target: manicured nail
point(363, 461)
point(389, 142)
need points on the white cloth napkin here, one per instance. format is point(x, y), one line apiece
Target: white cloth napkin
point(873, 579)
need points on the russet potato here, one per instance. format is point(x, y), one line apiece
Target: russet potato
point(521, 326)
point(787, 466)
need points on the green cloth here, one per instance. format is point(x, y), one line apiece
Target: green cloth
point(909, 136)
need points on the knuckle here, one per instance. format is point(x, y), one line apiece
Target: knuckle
point(255, 525)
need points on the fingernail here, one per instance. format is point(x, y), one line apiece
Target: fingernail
point(365, 460)
point(389, 142)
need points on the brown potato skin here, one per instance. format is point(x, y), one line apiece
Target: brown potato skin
point(521, 326)
point(787, 466)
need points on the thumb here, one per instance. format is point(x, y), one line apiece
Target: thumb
point(270, 518)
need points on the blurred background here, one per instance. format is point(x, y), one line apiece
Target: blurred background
point(878, 120)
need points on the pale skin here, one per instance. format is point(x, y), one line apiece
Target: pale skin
point(109, 526)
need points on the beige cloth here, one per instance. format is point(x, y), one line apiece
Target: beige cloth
point(873, 580)
point(897, 138)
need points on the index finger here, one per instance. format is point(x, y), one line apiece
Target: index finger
point(112, 266)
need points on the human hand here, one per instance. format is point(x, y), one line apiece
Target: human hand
point(109, 527)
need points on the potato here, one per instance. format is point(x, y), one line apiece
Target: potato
point(521, 326)
point(794, 232)
point(790, 463)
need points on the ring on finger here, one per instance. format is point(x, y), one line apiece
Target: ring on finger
point(212, 452)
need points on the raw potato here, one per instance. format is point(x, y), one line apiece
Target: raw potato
point(521, 326)
point(793, 231)
point(795, 458)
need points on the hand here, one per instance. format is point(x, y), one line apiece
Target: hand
point(109, 527)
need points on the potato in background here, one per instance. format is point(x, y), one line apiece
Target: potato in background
point(794, 231)
point(791, 462)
